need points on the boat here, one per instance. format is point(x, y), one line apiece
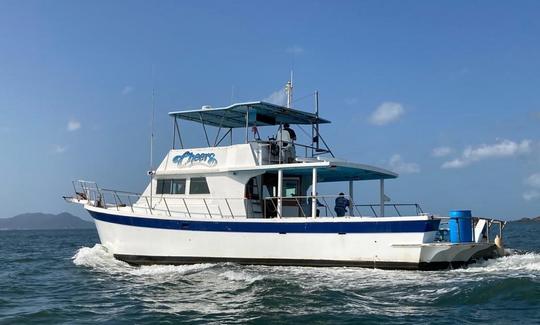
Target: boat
point(256, 201)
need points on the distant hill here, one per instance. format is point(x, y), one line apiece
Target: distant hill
point(537, 219)
point(35, 221)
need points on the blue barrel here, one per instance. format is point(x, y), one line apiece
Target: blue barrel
point(461, 228)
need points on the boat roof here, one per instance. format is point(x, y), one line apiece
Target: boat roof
point(328, 170)
point(335, 170)
point(259, 114)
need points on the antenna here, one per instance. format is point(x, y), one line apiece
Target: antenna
point(315, 127)
point(289, 91)
point(151, 171)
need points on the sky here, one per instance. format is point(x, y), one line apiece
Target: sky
point(444, 93)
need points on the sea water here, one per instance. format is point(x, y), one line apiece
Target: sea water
point(63, 276)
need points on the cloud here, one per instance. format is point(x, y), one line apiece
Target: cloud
point(533, 180)
point(502, 149)
point(386, 113)
point(531, 195)
point(73, 125)
point(59, 149)
point(441, 151)
point(295, 49)
point(398, 165)
point(127, 90)
point(278, 97)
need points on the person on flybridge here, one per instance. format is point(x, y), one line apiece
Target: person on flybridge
point(286, 137)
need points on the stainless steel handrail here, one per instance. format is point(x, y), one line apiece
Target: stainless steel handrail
point(490, 222)
point(98, 197)
point(373, 207)
point(300, 205)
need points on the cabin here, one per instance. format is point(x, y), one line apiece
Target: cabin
point(259, 178)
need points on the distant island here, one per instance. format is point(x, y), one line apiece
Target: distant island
point(536, 219)
point(41, 221)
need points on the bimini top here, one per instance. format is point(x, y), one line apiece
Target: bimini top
point(334, 170)
point(256, 113)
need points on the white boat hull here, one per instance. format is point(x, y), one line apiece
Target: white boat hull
point(138, 244)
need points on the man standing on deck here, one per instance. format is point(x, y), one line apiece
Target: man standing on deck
point(341, 205)
point(286, 137)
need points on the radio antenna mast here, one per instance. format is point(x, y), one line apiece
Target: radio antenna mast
point(289, 91)
point(151, 171)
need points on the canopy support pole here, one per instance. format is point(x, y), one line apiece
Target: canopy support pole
point(351, 199)
point(223, 137)
point(382, 196)
point(280, 193)
point(314, 193)
point(219, 130)
point(174, 133)
point(204, 128)
point(178, 132)
point(247, 125)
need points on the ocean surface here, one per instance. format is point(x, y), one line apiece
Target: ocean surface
point(54, 277)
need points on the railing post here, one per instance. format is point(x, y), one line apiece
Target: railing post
point(130, 204)
point(374, 213)
point(209, 213)
point(149, 206)
point(300, 207)
point(395, 207)
point(116, 202)
point(167, 206)
point(189, 213)
point(326, 206)
point(228, 206)
point(102, 197)
point(119, 199)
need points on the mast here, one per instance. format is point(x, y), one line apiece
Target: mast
point(151, 171)
point(316, 126)
point(289, 91)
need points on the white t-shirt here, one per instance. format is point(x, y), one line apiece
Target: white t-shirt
point(284, 136)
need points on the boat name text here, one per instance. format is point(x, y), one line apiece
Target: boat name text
point(188, 159)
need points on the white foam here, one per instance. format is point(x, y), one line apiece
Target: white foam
point(516, 262)
point(241, 276)
point(98, 257)
point(528, 265)
point(168, 269)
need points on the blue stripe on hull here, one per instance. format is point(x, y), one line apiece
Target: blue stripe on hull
point(273, 227)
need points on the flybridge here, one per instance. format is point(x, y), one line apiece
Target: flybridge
point(251, 115)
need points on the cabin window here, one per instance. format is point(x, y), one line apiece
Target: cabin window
point(198, 185)
point(163, 186)
point(178, 186)
point(290, 187)
point(171, 186)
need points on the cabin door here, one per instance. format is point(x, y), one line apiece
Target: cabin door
point(292, 205)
